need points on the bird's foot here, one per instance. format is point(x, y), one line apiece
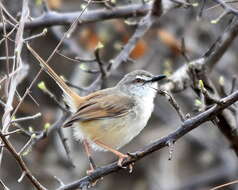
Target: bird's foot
point(90, 171)
point(122, 158)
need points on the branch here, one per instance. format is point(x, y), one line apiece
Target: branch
point(52, 18)
point(186, 127)
point(21, 163)
point(12, 83)
point(180, 80)
point(228, 9)
point(26, 118)
point(3, 185)
point(159, 7)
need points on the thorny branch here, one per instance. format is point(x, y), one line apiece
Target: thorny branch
point(181, 79)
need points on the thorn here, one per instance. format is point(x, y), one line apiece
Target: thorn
point(187, 116)
point(22, 176)
point(131, 167)
point(170, 144)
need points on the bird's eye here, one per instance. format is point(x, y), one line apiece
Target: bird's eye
point(138, 80)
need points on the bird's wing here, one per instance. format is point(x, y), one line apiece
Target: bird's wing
point(101, 106)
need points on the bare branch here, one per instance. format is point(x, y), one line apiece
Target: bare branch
point(43, 33)
point(21, 163)
point(3, 185)
point(12, 132)
point(180, 79)
point(226, 7)
point(12, 83)
point(51, 18)
point(26, 118)
point(159, 7)
point(174, 104)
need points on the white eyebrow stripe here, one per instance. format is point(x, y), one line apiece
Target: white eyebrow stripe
point(142, 78)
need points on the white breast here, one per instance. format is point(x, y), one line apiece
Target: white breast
point(143, 113)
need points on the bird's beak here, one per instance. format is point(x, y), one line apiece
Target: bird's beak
point(156, 78)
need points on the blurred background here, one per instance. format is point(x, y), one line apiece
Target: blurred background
point(201, 159)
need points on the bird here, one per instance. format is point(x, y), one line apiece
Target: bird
point(110, 118)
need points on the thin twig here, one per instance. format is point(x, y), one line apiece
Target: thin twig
point(233, 84)
point(174, 104)
point(43, 33)
point(5, 58)
point(76, 59)
point(7, 13)
point(6, 42)
point(3, 185)
point(26, 118)
point(26, 146)
point(100, 63)
point(12, 132)
point(65, 145)
point(224, 185)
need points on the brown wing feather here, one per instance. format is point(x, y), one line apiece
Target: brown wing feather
point(101, 106)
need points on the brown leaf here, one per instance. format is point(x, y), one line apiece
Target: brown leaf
point(140, 49)
point(169, 40)
point(54, 4)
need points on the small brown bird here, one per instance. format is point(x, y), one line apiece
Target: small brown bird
point(109, 119)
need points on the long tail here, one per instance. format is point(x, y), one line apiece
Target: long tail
point(66, 89)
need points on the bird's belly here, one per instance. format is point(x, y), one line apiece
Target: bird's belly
point(113, 132)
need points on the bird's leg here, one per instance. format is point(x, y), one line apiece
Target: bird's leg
point(88, 152)
point(121, 156)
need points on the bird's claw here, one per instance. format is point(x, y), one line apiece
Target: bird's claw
point(90, 171)
point(122, 159)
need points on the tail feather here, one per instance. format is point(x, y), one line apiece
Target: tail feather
point(66, 89)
